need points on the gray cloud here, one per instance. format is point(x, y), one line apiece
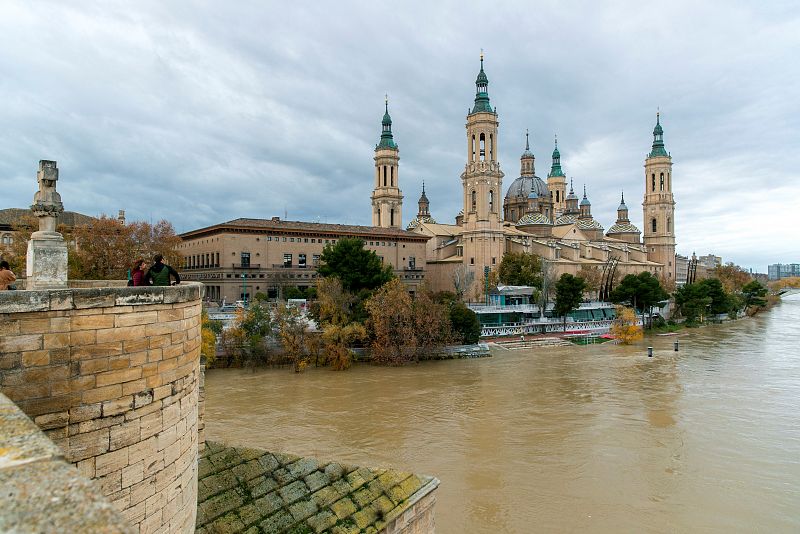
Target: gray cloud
point(200, 113)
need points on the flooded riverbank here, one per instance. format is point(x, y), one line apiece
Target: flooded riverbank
point(596, 438)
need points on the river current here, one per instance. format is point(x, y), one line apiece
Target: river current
point(569, 439)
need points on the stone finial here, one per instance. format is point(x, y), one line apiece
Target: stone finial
point(47, 251)
point(47, 204)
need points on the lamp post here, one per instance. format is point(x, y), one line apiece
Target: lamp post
point(486, 282)
point(244, 288)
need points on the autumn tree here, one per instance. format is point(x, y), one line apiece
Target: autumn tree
point(245, 342)
point(208, 339)
point(338, 322)
point(391, 320)
point(292, 329)
point(732, 277)
point(520, 269)
point(625, 327)
point(432, 327)
point(593, 276)
point(569, 294)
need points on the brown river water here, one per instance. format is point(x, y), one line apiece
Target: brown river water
point(569, 439)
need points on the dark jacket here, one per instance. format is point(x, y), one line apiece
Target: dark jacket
point(156, 277)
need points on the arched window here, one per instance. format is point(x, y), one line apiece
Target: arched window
point(474, 200)
point(653, 224)
point(491, 147)
point(391, 175)
point(669, 224)
point(483, 147)
point(557, 197)
point(653, 187)
point(473, 148)
point(384, 176)
point(491, 200)
point(391, 217)
point(662, 181)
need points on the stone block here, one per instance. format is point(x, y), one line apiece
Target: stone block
point(136, 318)
point(61, 299)
point(96, 365)
point(334, 471)
point(302, 467)
point(34, 325)
point(45, 374)
point(35, 358)
point(322, 521)
point(248, 471)
point(91, 322)
point(227, 524)
point(143, 397)
point(86, 445)
point(59, 324)
point(135, 345)
point(102, 350)
point(111, 462)
point(101, 394)
point(8, 326)
point(303, 509)
point(120, 333)
point(84, 412)
point(21, 343)
point(277, 522)
point(124, 435)
point(118, 376)
point(117, 406)
point(365, 517)
point(325, 496)
point(142, 490)
point(82, 337)
point(93, 298)
point(293, 492)
point(170, 315)
point(218, 483)
point(142, 450)
point(316, 480)
point(151, 424)
point(221, 504)
point(261, 486)
point(52, 420)
point(57, 340)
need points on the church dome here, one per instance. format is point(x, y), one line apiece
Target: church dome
point(533, 218)
point(588, 224)
point(525, 185)
point(623, 228)
point(416, 221)
point(567, 218)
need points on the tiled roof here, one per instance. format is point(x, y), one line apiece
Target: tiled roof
point(623, 228)
point(534, 218)
point(416, 221)
point(252, 490)
point(567, 218)
point(301, 226)
point(588, 224)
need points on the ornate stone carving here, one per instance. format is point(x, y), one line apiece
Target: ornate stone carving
point(47, 251)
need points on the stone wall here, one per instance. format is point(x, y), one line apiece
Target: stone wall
point(112, 377)
point(34, 477)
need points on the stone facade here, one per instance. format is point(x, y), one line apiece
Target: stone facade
point(273, 254)
point(111, 375)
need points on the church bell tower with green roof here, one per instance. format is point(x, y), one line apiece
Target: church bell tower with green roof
point(659, 205)
point(387, 199)
point(557, 183)
point(482, 236)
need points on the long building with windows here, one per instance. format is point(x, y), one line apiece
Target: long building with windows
point(242, 257)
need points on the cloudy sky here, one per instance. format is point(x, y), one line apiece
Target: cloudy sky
point(206, 111)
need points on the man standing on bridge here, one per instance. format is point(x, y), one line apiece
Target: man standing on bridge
point(159, 274)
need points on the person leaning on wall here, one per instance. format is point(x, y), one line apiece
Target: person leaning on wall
point(7, 277)
point(159, 274)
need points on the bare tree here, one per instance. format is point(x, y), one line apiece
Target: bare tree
point(463, 277)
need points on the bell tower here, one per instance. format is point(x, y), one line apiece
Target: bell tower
point(482, 180)
point(557, 183)
point(387, 199)
point(659, 205)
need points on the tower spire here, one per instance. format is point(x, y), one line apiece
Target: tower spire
point(658, 139)
point(555, 168)
point(387, 139)
point(482, 92)
point(527, 147)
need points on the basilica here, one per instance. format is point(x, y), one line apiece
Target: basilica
point(542, 217)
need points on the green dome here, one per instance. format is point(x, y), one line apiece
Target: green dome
point(658, 140)
point(482, 93)
point(387, 139)
point(555, 169)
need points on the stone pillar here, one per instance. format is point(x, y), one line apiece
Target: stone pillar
point(47, 251)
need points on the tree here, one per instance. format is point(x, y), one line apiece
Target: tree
point(755, 296)
point(256, 328)
point(334, 312)
point(355, 266)
point(642, 291)
point(291, 328)
point(569, 294)
point(732, 277)
point(465, 323)
point(520, 269)
point(463, 277)
point(624, 326)
point(593, 277)
point(208, 339)
point(432, 328)
point(391, 321)
point(720, 300)
point(692, 301)
point(337, 341)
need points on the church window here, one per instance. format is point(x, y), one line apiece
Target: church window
point(669, 224)
point(653, 187)
point(491, 147)
point(472, 261)
point(384, 176)
point(662, 181)
point(391, 217)
point(391, 176)
point(653, 225)
point(473, 148)
point(474, 200)
point(557, 197)
point(512, 214)
point(491, 200)
point(483, 147)
point(494, 261)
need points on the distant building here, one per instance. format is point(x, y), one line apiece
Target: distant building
point(777, 271)
point(242, 257)
point(709, 261)
point(681, 269)
point(11, 218)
